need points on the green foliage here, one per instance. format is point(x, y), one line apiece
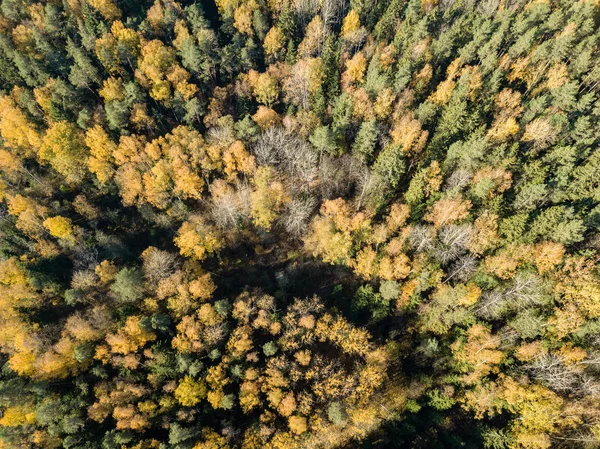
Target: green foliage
point(337, 414)
point(128, 285)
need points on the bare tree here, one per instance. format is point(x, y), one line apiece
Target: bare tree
point(306, 10)
point(452, 242)
point(289, 155)
point(158, 264)
point(553, 371)
point(421, 238)
point(332, 12)
point(463, 268)
point(459, 179)
point(336, 176)
point(230, 206)
point(526, 291)
point(298, 212)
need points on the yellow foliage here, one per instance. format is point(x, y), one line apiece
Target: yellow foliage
point(59, 227)
point(237, 160)
point(485, 235)
point(577, 286)
point(202, 287)
point(408, 133)
point(365, 263)
point(130, 337)
point(274, 41)
point(106, 271)
point(20, 415)
point(557, 76)
point(351, 23)
point(266, 117)
point(548, 255)
point(15, 129)
point(242, 19)
point(443, 92)
point(478, 354)
point(198, 240)
point(63, 147)
point(211, 440)
point(266, 89)
point(190, 392)
point(112, 89)
point(297, 424)
point(313, 38)
point(355, 70)
point(107, 8)
point(267, 198)
point(331, 233)
point(383, 103)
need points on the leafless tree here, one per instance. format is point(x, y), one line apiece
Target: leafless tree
point(459, 179)
point(230, 206)
point(336, 175)
point(366, 184)
point(332, 12)
point(220, 135)
point(295, 218)
point(525, 291)
point(553, 371)
point(452, 242)
point(289, 155)
point(488, 7)
point(421, 238)
point(158, 264)
point(84, 257)
point(306, 10)
point(463, 268)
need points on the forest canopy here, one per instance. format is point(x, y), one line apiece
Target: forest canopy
point(290, 224)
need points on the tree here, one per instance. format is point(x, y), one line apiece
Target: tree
point(355, 70)
point(448, 210)
point(267, 198)
point(266, 89)
point(59, 227)
point(196, 239)
point(63, 148)
point(266, 117)
point(190, 392)
point(128, 285)
point(101, 153)
point(365, 142)
point(298, 424)
point(274, 42)
point(313, 39)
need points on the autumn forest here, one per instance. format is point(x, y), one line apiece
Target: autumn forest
point(299, 224)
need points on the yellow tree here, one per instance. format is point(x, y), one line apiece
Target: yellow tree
point(274, 41)
point(266, 117)
point(15, 128)
point(355, 70)
point(313, 38)
point(107, 8)
point(267, 198)
point(197, 239)
point(190, 392)
point(101, 153)
point(59, 227)
point(266, 89)
point(63, 147)
point(478, 353)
